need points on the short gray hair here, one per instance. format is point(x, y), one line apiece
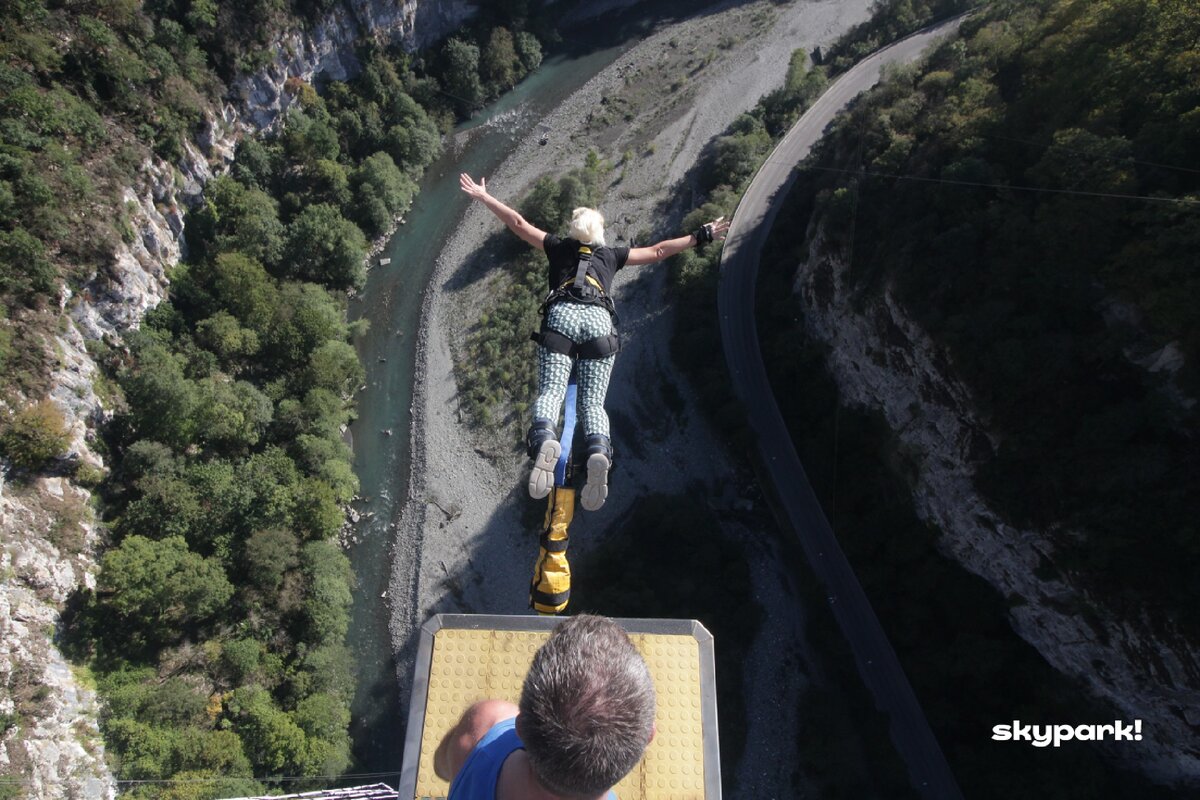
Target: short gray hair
point(587, 707)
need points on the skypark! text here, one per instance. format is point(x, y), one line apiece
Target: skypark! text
point(1055, 735)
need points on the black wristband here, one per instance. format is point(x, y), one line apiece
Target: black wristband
point(703, 235)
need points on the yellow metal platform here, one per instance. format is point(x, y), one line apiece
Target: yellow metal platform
point(465, 658)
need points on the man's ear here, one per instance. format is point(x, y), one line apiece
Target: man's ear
point(653, 731)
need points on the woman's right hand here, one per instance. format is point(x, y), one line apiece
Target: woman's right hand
point(476, 191)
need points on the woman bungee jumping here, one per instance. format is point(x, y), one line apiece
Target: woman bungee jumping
point(578, 322)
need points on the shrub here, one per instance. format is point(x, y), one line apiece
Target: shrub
point(34, 435)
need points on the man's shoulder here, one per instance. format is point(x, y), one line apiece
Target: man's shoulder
point(484, 762)
point(485, 715)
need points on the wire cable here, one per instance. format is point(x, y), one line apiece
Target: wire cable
point(1048, 145)
point(351, 776)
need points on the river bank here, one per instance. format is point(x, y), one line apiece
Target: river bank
point(464, 541)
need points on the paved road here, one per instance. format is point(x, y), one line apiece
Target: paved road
point(877, 662)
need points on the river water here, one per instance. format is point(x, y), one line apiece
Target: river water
point(391, 302)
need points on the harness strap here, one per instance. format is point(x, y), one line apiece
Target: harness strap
point(554, 341)
point(591, 295)
point(569, 283)
point(585, 261)
point(552, 545)
point(600, 347)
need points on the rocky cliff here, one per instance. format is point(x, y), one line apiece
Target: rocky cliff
point(328, 49)
point(883, 361)
point(48, 534)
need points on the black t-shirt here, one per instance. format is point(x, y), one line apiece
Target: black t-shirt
point(564, 260)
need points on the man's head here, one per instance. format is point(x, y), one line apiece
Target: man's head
point(587, 226)
point(587, 708)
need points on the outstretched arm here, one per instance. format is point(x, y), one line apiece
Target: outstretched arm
point(509, 216)
point(669, 247)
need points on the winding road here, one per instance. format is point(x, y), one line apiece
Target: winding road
point(876, 660)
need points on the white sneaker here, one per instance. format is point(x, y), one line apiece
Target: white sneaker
point(595, 491)
point(541, 477)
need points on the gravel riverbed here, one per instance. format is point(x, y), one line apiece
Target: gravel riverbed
point(463, 542)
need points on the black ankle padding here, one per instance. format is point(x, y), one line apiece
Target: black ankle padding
point(599, 443)
point(541, 431)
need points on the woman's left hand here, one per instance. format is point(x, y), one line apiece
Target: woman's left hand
point(719, 228)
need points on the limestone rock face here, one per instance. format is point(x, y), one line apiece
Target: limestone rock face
point(56, 745)
point(327, 51)
point(883, 361)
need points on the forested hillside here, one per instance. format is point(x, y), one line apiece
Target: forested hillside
point(1031, 197)
point(986, 192)
point(216, 631)
point(1028, 197)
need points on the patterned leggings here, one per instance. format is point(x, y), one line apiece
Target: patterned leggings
point(579, 323)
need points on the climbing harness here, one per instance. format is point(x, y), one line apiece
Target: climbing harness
point(585, 287)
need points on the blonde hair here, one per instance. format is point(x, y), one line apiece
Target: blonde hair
point(587, 226)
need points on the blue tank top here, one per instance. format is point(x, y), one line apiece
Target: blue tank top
point(478, 777)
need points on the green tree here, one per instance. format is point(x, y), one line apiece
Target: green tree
point(318, 513)
point(162, 400)
point(269, 554)
point(499, 65)
point(24, 266)
point(172, 702)
point(324, 246)
point(145, 752)
point(528, 49)
point(413, 146)
point(307, 139)
point(270, 482)
point(327, 667)
point(223, 334)
point(231, 415)
point(324, 718)
point(304, 318)
point(548, 205)
point(334, 365)
point(381, 191)
point(320, 411)
point(254, 163)
point(327, 602)
point(272, 740)
point(739, 153)
point(460, 73)
point(167, 505)
point(322, 181)
point(250, 225)
point(329, 460)
point(158, 587)
point(241, 657)
point(241, 286)
point(220, 503)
